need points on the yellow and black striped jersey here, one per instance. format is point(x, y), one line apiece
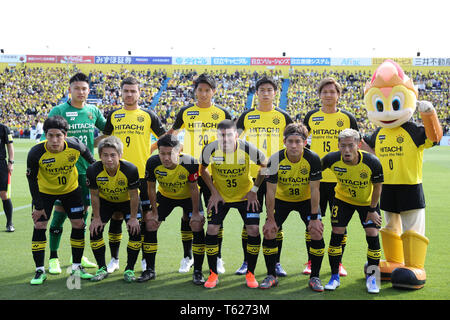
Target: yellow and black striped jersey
point(173, 183)
point(200, 125)
point(55, 173)
point(400, 151)
point(324, 129)
point(264, 129)
point(354, 182)
point(293, 178)
point(134, 129)
point(231, 171)
point(113, 188)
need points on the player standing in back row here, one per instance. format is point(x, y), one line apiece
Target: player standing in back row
point(83, 118)
point(200, 124)
point(263, 127)
point(134, 126)
point(324, 125)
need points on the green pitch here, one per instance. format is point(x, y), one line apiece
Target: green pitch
point(17, 266)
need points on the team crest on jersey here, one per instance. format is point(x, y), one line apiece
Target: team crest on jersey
point(90, 116)
point(121, 182)
point(71, 158)
point(215, 116)
point(363, 175)
point(182, 177)
point(304, 171)
point(140, 119)
point(400, 139)
point(276, 120)
point(340, 122)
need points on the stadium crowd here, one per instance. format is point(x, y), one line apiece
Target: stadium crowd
point(27, 94)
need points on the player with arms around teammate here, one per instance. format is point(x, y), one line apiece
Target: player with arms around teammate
point(113, 184)
point(199, 122)
point(83, 118)
point(134, 126)
point(231, 186)
point(324, 125)
point(52, 175)
point(6, 169)
point(177, 176)
point(263, 126)
point(293, 184)
point(359, 180)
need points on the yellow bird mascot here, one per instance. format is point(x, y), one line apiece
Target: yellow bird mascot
point(390, 98)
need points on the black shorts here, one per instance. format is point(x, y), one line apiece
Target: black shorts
point(3, 175)
point(284, 208)
point(326, 196)
point(402, 197)
point(108, 208)
point(166, 206)
point(72, 203)
point(143, 195)
point(248, 216)
point(342, 213)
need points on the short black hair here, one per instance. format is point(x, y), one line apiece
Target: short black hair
point(79, 77)
point(265, 80)
point(205, 78)
point(168, 140)
point(226, 124)
point(56, 122)
point(130, 81)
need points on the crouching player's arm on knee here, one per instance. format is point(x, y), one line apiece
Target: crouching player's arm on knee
point(315, 225)
point(133, 223)
point(372, 214)
point(215, 195)
point(197, 220)
point(270, 227)
point(96, 222)
point(151, 218)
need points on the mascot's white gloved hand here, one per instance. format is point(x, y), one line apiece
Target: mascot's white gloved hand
point(425, 106)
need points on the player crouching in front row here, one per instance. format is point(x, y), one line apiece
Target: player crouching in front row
point(293, 185)
point(177, 176)
point(113, 184)
point(359, 181)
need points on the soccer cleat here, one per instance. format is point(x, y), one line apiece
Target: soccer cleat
point(242, 270)
point(113, 265)
point(100, 274)
point(54, 266)
point(10, 228)
point(307, 269)
point(197, 278)
point(146, 275)
point(220, 266)
point(129, 276)
point(212, 281)
point(342, 271)
point(251, 281)
point(315, 284)
point(185, 264)
point(88, 264)
point(333, 283)
point(269, 282)
point(39, 277)
point(279, 270)
point(371, 284)
point(80, 272)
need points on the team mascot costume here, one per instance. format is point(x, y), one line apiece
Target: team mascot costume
point(390, 99)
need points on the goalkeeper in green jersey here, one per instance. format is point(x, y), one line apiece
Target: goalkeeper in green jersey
point(83, 118)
